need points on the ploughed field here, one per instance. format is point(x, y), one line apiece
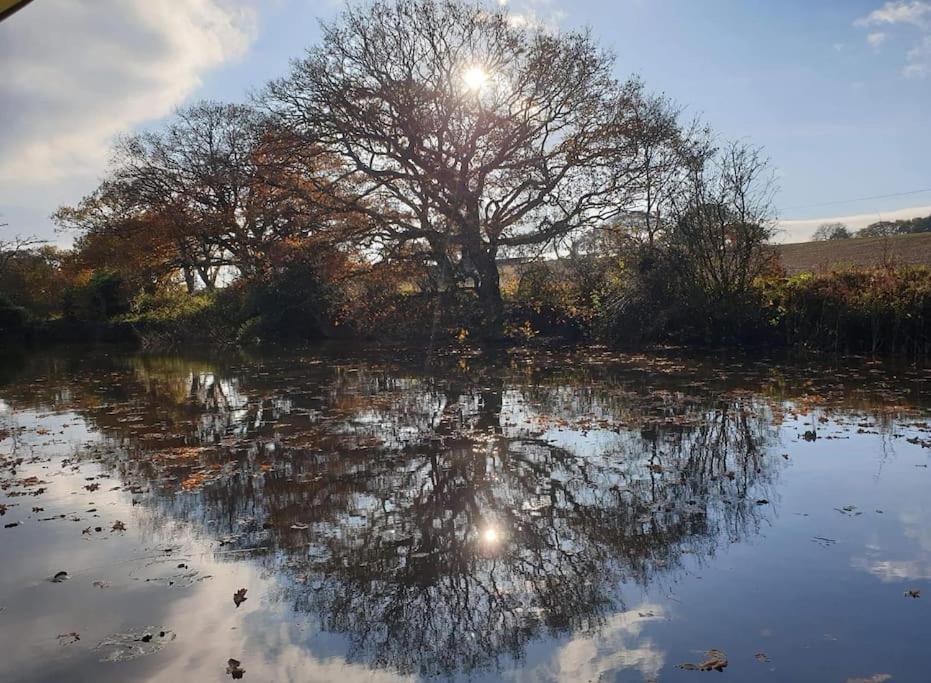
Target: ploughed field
point(384, 515)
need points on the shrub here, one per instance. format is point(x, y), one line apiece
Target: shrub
point(174, 318)
point(14, 320)
point(880, 310)
point(558, 297)
point(295, 299)
point(97, 297)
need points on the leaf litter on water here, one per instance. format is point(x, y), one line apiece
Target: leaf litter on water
point(122, 647)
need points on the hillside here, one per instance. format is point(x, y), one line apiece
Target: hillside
point(865, 251)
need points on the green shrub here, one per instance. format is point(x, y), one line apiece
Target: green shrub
point(101, 298)
point(175, 318)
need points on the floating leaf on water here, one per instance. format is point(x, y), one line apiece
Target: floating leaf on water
point(822, 541)
point(715, 660)
point(239, 597)
point(121, 647)
point(234, 669)
point(68, 638)
point(59, 577)
point(163, 570)
point(849, 510)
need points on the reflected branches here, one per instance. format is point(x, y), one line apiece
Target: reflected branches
point(442, 519)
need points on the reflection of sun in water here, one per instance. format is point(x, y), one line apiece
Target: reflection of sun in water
point(475, 77)
point(490, 535)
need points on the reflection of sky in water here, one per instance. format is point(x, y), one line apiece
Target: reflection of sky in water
point(509, 528)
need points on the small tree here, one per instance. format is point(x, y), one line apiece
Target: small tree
point(879, 229)
point(831, 231)
point(723, 218)
point(12, 248)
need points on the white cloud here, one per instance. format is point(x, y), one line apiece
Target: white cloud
point(919, 59)
point(876, 39)
point(801, 230)
point(78, 72)
point(916, 14)
point(533, 13)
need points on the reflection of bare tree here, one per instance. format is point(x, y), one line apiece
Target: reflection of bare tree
point(439, 530)
point(434, 562)
point(441, 520)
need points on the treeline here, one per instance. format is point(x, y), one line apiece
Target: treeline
point(431, 169)
point(902, 226)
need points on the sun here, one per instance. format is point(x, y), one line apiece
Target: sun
point(475, 78)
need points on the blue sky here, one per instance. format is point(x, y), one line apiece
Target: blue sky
point(837, 91)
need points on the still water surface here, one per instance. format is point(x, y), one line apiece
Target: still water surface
point(562, 516)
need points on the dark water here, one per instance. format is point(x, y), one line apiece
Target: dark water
point(582, 516)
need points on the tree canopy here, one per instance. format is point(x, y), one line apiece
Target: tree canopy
point(464, 133)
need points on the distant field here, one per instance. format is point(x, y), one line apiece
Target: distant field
point(868, 251)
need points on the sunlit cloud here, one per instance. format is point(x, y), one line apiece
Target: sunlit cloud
point(540, 14)
point(915, 14)
point(78, 72)
point(876, 39)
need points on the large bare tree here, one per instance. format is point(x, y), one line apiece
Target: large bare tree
point(463, 132)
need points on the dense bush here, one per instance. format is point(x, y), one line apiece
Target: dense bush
point(545, 299)
point(98, 297)
point(649, 298)
point(881, 310)
point(297, 298)
point(175, 318)
point(14, 320)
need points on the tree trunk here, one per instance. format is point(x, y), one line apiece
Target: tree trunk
point(485, 273)
point(189, 279)
point(489, 293)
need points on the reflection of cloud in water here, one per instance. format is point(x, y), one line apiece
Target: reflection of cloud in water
point(915, 527)
point(435, 526)
point(619, 646)
point(896, 570)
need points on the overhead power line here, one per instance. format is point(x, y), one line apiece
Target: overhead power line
point(858, 199)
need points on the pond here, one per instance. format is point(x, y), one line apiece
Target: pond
point(384, 515)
